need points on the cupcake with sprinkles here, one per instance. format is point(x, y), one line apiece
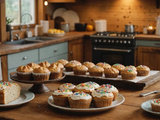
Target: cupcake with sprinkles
point(60, 97)
point(155, 104)
point(96, 71)
point(119, 67)
point(128, 74)
point(69, 86)
point(143, 70)
point(89, 64)
point(131, 67)
point(110, 88)
point(102, 98)
point(103, 65)
point(73, 63)
point(93, 84)
point(80, 100)
point(85, 87)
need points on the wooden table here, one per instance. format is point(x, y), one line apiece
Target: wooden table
point(38, 108)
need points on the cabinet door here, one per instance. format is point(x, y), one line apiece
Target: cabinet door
point(149, 56)
point(76, 50)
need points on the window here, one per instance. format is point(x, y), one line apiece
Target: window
point(22, 11)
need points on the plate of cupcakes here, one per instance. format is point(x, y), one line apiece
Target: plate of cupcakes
point(85, 97)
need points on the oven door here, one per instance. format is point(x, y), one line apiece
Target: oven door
point(113, 55)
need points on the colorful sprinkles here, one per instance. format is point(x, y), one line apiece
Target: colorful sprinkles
point(80, 94)
point(156, 101)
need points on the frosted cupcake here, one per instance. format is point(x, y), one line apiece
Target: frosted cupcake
point(80, 70)
point(69, 86)
point(61, 97)
point(96, 71)
point(143, 70)
point(93, 84)
point(111, 72)
point(88, 64)
point(102, 98)
point(41, 74)
point(103, 65)
point(44, 64)
point(24, 72)
point(69, 66)
point(155, 104)
point(119, 67)
point(85, 87)
point(80, 100)
point(110, 88)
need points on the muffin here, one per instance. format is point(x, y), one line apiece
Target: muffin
point(69, 86)
point(119, 67)
point(33, 65)
point(44, 64)
point(56, 72)
point(69, 66)
point(60, 97)
point(60, 65)
point(24, 72)
point(96, 71)
point(85, 87)
point(110, 88)
point(155, 105)
point(128, 74)
point(88, 64)
point(142, 70)
point(93, 84)
point(103, 65)
point(63, 61)
point(80, 70)
point(111, 72)
point(80, 100)
point(41, 74)
point(102, 98)
point(131, 67)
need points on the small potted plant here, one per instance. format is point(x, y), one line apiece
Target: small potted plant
point(8, 23)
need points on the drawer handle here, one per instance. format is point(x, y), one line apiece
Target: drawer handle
point(55, 50)
point(158, 44)
point(25, 58)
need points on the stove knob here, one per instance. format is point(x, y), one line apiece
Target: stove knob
point(96, 41)
point(121, 41)
point(129, 42)
point(104, 41)
point(125, 42)
point(109, 41)
point(100, 41)
point(126, 36)
point(112, 41)
point(117, 41)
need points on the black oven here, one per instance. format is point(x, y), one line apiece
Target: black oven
point(113, 49)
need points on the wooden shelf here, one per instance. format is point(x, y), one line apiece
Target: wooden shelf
point(61, 1)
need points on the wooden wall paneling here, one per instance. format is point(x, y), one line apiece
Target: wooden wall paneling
point(2, 22)
point(4, 68)
point(41, 11)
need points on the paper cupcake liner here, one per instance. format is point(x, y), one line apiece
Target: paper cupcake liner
point(128, 76)
point(110, 75)
point(54, 75)
point(99, 74)
point(102, 102)
point(41, 76)
point(24, 76)
point(155, 108)
point(142, 73)
point(80, 72)
point(60, 100)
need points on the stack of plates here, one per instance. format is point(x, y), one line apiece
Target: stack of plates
point(69, 16)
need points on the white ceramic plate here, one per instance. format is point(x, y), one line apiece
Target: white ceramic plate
point(56, 34)
point(146, 106)
point(25, 97)
point(70, 17)
point(120, 99)
point(58, 12)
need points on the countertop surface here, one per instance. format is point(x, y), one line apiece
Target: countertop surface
point(38, 108)
point(9, 49)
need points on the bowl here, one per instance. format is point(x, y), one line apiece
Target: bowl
point(56, 34)
point(80, 26)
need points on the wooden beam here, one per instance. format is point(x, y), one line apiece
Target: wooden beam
point(2, 22)
point(41, 11)
point(4, 68)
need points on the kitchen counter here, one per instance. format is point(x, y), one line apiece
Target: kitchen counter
point(39, 109)
point(147, 37)
point(8, 49)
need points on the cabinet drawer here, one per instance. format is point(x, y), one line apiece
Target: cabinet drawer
point(22, 58)
point(53, 50)
point(54, 59)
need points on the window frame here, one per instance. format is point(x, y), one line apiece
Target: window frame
point(17, 27)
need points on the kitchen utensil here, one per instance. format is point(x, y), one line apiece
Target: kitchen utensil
point(65, 26)
point(58, 12)
point(148, 93)
point(100, 25)
point(158, 25)
point(80, 26)
point(45, 26)
point(38, 30)
point(130, 28)
point(58, 21)
point(70, 17)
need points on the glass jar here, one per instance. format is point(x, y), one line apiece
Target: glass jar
point(65, 26)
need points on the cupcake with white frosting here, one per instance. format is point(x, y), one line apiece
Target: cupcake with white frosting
point(80, 100)
point(69, 86)
point(102, 98)
point(85, 87)
point(155, 104)
point(93, 84)
point(110, 88)
point(60, 97)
